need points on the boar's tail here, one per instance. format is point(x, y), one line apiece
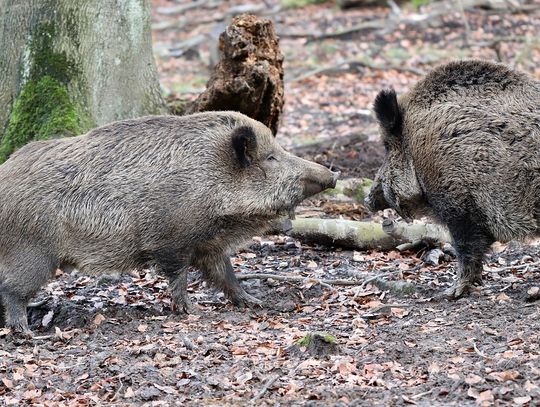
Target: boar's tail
point(388, 113)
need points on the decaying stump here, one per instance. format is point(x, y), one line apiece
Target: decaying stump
point(249, 75)
point(316, 344)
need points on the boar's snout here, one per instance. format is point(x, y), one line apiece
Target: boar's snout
point(319, 179)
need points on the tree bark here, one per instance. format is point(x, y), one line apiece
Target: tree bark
point(249, 75)
point(69, 65)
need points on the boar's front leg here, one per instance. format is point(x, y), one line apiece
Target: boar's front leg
point(218, 270)
point(471, 243)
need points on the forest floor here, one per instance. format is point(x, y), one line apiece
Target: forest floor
point(115, 341)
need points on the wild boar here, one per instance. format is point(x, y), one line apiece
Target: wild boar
point(170, 191)
point(463, 145)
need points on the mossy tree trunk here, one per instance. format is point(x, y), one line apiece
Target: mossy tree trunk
point(69, 65)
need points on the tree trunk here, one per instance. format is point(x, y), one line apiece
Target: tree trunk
point(69, 65)
point(249, 75)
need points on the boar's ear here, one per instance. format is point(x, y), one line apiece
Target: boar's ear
point(244, 142)
point(388, 113)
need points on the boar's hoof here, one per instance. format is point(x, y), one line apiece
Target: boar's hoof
point(20, 330)
point(456, 291)
point(459, 289)
point(243, 299)
point(183, 306)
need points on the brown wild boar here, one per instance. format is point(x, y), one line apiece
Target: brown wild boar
point(464, 147)
point(170, 191)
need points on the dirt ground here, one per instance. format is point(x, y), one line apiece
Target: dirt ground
point(115, 341)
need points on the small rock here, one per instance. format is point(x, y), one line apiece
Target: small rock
point(533, 294)
point(148, 392)
point(433, 257)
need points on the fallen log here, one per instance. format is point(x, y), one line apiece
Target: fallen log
point(416, 232)
point(343, 233)
point(365, 235)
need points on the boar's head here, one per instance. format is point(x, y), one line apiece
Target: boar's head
point(270, 180)
point(396, 185)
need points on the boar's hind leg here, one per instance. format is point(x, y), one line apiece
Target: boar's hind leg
point(15, 311)
point(218, 270)
point(471, 244)
point(178, 289)
point(175, 267)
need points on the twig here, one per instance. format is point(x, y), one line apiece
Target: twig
point(119, 388)
point(272, 380)
point(38, 304)
point(394, 7)
point(368, 25)
point(42, 337)
point(176, 50)
point(478, 351)
point(532, 304)
point(265, 388)
point(387, 306)
point(505, 288)
point(355, 63)
point(384, 310)
point(515, 267)
point(369, 280)
point(419, 395)
point(511, 38)
point(169, 11)
point(390, 23)
point(263, 276)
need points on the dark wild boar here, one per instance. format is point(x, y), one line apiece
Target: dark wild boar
point(170, 191)
point(463, 146)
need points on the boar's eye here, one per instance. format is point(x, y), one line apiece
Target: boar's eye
point(271, 157)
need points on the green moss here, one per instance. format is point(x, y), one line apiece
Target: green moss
point(419, 3)
point(362, 189)
point(43, 110)
point(307, 339)
point(46, 62)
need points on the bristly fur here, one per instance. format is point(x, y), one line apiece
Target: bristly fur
point(388, 112)
point(244, 142)
point(469, 154)
point(175, 192)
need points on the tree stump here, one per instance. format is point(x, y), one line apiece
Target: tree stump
point(249, 75)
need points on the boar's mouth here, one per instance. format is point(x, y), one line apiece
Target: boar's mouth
point(313, 187)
